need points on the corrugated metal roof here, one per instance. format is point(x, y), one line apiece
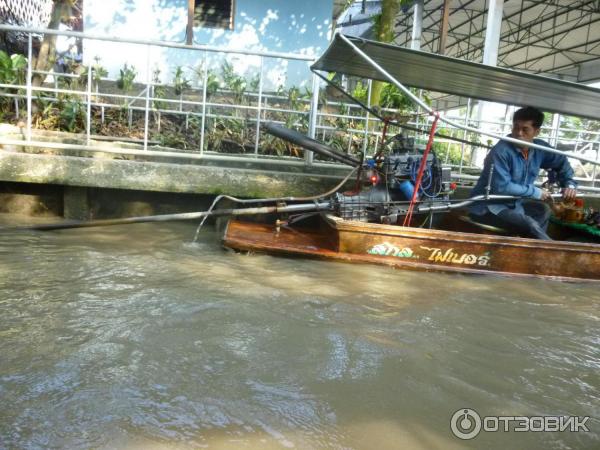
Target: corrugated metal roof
point(459, 77)
point(558, 37)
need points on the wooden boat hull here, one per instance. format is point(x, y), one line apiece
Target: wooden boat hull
point(420, 249)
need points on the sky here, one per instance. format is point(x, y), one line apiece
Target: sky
point(302, 28)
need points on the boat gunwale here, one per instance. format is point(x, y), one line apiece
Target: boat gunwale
point(343, 225)
point(243, 244)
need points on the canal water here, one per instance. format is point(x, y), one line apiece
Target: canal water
point(132, 337)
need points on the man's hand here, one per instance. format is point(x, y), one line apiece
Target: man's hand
point(545, 195)
point(569, 194)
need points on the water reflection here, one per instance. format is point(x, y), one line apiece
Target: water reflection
point(132, 337)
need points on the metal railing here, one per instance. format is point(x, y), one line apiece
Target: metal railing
point(360, 133)
point(257, 110)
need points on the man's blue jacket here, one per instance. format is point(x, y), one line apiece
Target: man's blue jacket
point(515, 175)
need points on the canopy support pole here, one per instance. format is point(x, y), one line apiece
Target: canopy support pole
point(444, 28)
point(490, 57)
point(386, 75)
point(417, 28)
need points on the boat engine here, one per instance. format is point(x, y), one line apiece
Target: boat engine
point(392, 180)
point(388, 180)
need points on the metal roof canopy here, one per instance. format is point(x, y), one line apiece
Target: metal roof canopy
point(458, 77)
point(551, 37)
point(557, 37)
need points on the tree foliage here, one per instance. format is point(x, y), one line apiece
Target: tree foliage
point(383, 27)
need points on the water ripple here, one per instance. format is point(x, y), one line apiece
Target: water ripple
point(133, 337)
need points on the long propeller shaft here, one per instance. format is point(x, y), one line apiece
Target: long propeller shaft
point(302, 207)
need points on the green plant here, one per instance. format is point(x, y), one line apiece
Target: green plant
point(338, 141)
point(392, 97)
point(12, 71)
point(238, 86)
point(214, 135)
point(97, 73)
point(228, 73)
point(72, 115)
point(158, 91)
point(180, 82)
point(172, 139)
point(255, 83)
point(293, 95)
point(450, 154)
point(46, 114)
point(233, 81)
point(212, 80)
point(360, 92)
point(198, 72)
point(122, 114)
point(212, 83)
point(307, 93)
point(12, 68)
point(43, 106)
point(273, 145)
point(226, 134)
point(126, 77)
point(236, 131)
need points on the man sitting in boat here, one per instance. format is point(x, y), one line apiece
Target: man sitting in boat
point(514, 172)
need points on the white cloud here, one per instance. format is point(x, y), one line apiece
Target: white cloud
point(247, 37)
point(152, 20)
point(217, 33)
point(271, 15)
point(276, 75)
point(248, 65)
point(104, 18)
point(309, 51)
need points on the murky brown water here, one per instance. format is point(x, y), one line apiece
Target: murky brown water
point(132, 337)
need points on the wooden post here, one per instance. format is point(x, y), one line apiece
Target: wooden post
point(189, 34)
point(47, 53)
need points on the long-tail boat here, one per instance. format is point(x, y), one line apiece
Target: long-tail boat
point(376, 224)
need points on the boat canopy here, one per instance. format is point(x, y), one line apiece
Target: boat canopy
point(458, 77)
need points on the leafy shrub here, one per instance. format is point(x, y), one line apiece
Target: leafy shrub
point(234, 82)
point(97, 73)
point(72, 115)
point(360, 92)
point(158, 91)
point(12, 68)
point(180, 82)
point(126, 77)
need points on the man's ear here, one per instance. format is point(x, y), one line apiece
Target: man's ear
point(537, 131)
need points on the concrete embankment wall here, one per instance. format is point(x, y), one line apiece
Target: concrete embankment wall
point(121, 179)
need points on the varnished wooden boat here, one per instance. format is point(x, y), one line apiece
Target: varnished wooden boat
point(464, 250)
point(419, 249)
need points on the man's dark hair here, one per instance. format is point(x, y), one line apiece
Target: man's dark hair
point(530, 113)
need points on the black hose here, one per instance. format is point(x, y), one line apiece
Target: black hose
point(295, 137)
